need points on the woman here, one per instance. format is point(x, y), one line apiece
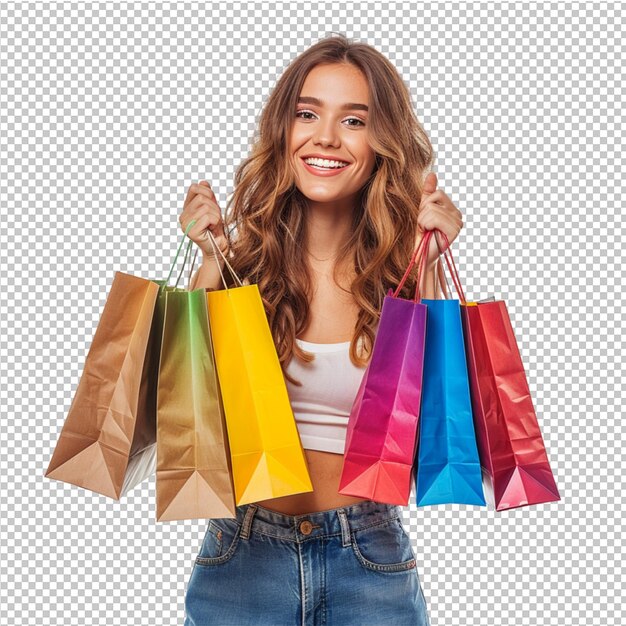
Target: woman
point(324, 240)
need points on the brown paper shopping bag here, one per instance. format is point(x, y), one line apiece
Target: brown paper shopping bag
point(108, 441)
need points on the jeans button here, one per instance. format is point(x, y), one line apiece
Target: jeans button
point(306, 527)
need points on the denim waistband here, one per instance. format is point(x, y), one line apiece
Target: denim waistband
point(300, 528)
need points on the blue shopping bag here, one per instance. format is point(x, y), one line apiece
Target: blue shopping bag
point(447, 467)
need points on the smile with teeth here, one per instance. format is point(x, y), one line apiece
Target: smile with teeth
point(325, 164)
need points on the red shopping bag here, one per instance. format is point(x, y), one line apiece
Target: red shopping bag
point(516, 470)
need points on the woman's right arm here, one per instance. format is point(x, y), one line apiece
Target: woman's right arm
point(201, 206)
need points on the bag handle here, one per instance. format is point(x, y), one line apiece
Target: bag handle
point(441, 277)
point(193, 263)
point(163, 284)
point(216, 248)
point(167, 280)
point(425, 241)
point(453, 273)
point(488, 299)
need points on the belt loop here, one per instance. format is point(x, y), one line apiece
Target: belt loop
point(345, 528)
point(247, 521)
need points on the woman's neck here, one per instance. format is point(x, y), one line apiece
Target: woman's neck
point(326, 233)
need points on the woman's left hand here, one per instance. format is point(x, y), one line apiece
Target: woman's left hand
point(436, 210)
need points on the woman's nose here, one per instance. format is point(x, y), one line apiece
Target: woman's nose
point(325, 134)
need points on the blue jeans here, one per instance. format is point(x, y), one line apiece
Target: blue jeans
point(350, 565)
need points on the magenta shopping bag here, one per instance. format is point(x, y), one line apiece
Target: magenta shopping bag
point(383, 423)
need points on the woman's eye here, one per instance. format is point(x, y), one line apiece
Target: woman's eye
point(303, 112)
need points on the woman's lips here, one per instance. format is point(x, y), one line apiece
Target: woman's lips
point(329, 172)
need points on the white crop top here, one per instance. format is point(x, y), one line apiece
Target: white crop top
point(322, 404)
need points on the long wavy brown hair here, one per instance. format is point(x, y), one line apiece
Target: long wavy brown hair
point(267, 210)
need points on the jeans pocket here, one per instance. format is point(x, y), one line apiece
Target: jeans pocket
point(384, 547)
point(220, 541)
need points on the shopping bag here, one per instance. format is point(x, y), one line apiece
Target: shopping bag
point(447, 468)
point(382, 427)
point(516, 470)
point(267, 456)
point(193, 473)
point(108, 440)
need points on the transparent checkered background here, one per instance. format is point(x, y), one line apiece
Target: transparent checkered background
point(108, 114)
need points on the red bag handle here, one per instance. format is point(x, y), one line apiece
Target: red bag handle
point(425, 241)
point(424, 247)
point(453, 273)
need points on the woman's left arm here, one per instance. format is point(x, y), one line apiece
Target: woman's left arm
point(436, 211)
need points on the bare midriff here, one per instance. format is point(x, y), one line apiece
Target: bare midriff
point(325, 471)
point(332, 319)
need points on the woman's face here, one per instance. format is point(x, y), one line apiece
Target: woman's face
point(322, 126)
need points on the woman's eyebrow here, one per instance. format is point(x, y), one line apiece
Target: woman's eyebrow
point(348, 106)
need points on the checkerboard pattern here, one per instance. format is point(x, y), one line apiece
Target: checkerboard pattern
point(109, 113)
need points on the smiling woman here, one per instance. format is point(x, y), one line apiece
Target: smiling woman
point(329, 139)
point(326, 213)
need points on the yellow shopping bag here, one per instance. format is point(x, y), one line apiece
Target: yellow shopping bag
point(266, 452)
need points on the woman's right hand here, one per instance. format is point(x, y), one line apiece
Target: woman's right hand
point(201, 205)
